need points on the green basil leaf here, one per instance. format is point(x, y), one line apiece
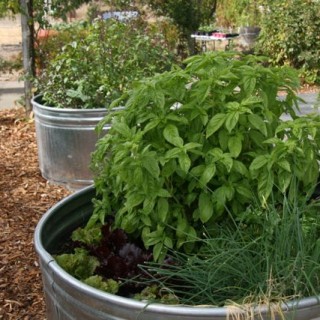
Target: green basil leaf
point(205, 207)
point(258, 123)
point(146, 220)
point(162, 208)
point(265, 185)
point(232, 120)
point(184, 162)
point(227, 161)
point(215, 124)
point(171, 134)
point(148, 205)
point(223, 137)
point(208, 174)
point(138, 176)
point(257, 138)
point(122, 128)
point(158, 98)
point(192, 145)
point(244, 191)
point(163, 193)
point(134, 199)
point(157, 251)
point(151, 165)
point(173, 153)
point(284, 164)
point(198, 170)
point(235, 146)
point(240, 168)
point(251, 100)
point(284, 179)
point(151, 125)
point(259, 162)
point(168, 242)
point(249, 84)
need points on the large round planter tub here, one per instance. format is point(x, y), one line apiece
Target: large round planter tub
point(67, 298)
point(66, 138)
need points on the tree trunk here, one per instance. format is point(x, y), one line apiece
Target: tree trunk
point(27, 50)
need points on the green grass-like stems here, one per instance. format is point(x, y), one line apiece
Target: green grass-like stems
point(274, 259)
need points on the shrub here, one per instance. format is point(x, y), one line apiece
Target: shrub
point(195, 145)
point(289, 35)
point(49, 42)
point(92, 71)
point(236, 13)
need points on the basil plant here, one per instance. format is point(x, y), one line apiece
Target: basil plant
point(198, 145)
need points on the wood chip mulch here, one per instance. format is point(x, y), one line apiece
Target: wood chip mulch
point(24, 197)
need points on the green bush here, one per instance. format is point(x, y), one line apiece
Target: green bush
point(99, 65)
point(195, 145)
point(238, 13)
point(290, 35)
point(54, 39)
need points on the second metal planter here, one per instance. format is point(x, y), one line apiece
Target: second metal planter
point(66, 138)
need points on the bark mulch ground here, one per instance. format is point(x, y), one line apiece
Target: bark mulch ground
point(24, 197)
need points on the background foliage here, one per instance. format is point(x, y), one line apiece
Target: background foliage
point(39, 9)
point(187, 15)
point(290, 35)
point(237, 13)
point(101, 61)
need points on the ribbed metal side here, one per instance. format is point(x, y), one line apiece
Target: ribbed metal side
point(68, 298)
point(66, 138)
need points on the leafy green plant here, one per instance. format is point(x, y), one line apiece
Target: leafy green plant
point(82, 266)
point(289, 36)
point(93, 70)
point(196, 143)
point(55, 38)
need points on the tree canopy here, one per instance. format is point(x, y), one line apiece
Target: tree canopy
point(58, 8)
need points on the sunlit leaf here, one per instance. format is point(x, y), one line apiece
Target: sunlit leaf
point(184, 162)
point(231, 120)
point(171, 134)
point(215, 124)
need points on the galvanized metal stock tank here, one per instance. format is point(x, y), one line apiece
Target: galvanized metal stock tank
point(66, 138)
point(68, 298)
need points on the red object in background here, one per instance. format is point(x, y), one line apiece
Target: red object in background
point(219, 34)
point(44, 34)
